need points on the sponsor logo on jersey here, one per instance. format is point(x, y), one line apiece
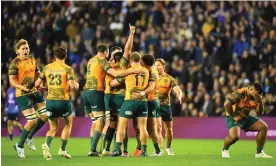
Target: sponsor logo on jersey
point(128, 113)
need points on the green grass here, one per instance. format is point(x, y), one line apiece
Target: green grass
point(187, 152)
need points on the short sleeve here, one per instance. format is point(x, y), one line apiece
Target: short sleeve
point(235, 97)
point(105, 65)
point(153, 77)
point(173, 82)
point(13, 70)
point(123, 63)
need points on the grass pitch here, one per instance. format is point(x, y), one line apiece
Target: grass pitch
point(187, 152)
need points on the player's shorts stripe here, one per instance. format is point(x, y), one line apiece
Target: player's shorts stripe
point(42, 110)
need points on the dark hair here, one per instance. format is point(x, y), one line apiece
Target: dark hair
point(148, 60)
point(60, 52)
point(102, 48)
point(258, 87)
point(135, 56)
point(118, 56)
point(116, 48)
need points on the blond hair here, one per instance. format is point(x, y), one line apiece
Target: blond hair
point(135, 56)
point(162, 61)
point(19, 44)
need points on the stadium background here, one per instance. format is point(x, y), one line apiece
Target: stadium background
point(211, 48)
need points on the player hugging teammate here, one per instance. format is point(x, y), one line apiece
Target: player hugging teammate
point(115, 91)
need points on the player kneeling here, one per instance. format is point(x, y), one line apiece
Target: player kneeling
point(59, 77)
point(238, 107)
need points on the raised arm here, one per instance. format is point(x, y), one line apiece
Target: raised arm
point(129, 43)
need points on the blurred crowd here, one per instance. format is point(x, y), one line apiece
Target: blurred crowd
point(211, 48)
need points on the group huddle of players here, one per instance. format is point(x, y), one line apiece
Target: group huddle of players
point(128, 86)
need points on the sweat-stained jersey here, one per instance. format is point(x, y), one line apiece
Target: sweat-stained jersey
point(120, 90)
point(108, 78)
point(165, 83)
point(136, 83)
point(57, 75)
point(242, 95)
point(154, 77)
point(25, 70)
point(95, 75)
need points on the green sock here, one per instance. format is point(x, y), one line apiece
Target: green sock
point(38, 125)
point(102, 142)
point(118, 146)
point(114, 140)
point(95, 141)
point(144, 148)
point(138, 141)
point(49, 140)
point(23, 138)
point(91, 141)
point(168, 144)
point(225, 148)
point(156, 147)
point(63, 144)
point(125, 142)
point(259, 149)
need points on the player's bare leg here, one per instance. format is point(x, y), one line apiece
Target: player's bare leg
point(99, 124)
point(232, 137)
point(142, 125)
point(43, 118)
point(31, 122)
point(152, 130)
point(137, 133)
point(121, 131)
point(125, 143)
point(169, 136)
point(261, 127)
point(12, 123)
point(159, 132)
point(10, 129)
point(49, 137)
point(66, 132)
point(17, 125)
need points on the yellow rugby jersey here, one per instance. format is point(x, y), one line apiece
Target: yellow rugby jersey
point(240, 95)
point(25, 70)
point(120, 90)
point(108, 78)
point(153, 77)
point(95, 75)
point(57, 75)
point(165, 83)
point(136, 83)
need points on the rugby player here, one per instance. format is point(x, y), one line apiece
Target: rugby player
point(238, 106)
point(60, 77)
point(23, 71)
point(166, 84)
